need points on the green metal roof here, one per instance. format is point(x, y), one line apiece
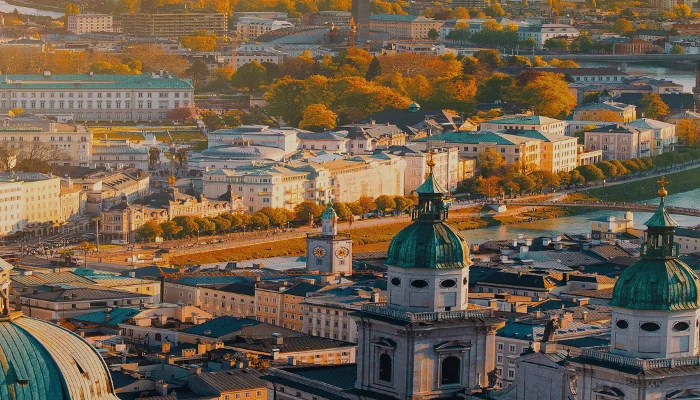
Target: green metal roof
point(531, 120)
point(116, 316)
point(142, 81)
point(657, 284)
point(430, 186)
point(428, 245)
point(661, 218)
point(329, 212)
point(470, 138)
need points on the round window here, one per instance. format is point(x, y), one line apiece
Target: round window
point(622, 324)
point(419, 283)
point(681, 326)
point(448, 283)
point(395, 281)
point(650, 326)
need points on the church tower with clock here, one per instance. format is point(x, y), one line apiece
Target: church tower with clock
point(329, 251)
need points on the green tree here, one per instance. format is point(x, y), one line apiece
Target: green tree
point(622, 26)
point(277, 216)
point(259, 221)
point(307, 211)
point(433, 34)
point(198, 72)
point(342, 210)
point(495, 87)
point(608, 168)
point(317, 118)
point(677, 49)
point(367, 203)
point(374, 69)
point(495, 10)
point(250, 76)
point(490, 162)
point(652, 106)
point(170, 229)
point(385, 203)
point(153, 157)
point(403, 203)
point(489, 58)
point(591, 173)
point(187, 224)
point(149, 231)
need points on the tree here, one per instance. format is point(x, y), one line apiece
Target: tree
point(198, 72)
point(556, 44)
point(200, 41)
point(277, 216)
point(677, 49)
point(317, 118)
point(308, 211)
point(607, 168)
point(545, 93)
point(652, 106)
point(29, 156)
point(259, 221)
point(433, 34)
point(557, 63)
point(367, 203)
point(490, 162)
point(688, 132)
point(374, 69)
point(525, 183)
point(188, 224)
point(489, 186)
point(681, 10)
point(149, 231)
point(355, 208)
point(342, 210)
point(153, 157)
point(403, 203)
point(490, 58)
point(575, 177)
point(385, 203)
point(495, 87)
point(622, 26)
point(250, 76)
point(182, 114)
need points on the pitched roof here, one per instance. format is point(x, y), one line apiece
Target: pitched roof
point(244, 288)
point(302, 289)
point(525, 120)
point(688, 232)
point(289, 344)
point(219, 382)
point(534, 281)
point(430, 186)
point(221, 326)
point(83, 294)
point(85, 81)
point(116, 316)
point(473, 138)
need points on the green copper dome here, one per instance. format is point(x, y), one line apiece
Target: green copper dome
point(429, 242)
point(659, 280)
point(427, 245)
point(648, 284)
point(329, 212)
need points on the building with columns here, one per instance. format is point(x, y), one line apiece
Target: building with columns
point(426, 341)
point(329, 251)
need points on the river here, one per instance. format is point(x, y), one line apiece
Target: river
point(685, 77)
point(581, 224)
point(9, 8)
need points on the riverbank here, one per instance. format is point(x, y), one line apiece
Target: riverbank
point(29, 4)
point(678, 182)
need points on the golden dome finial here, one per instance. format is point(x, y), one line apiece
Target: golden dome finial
point(662, 191)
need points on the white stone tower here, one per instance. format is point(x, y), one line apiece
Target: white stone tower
point(425, 342)
point(329, 251)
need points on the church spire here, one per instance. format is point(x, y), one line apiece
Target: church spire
point(660, 230)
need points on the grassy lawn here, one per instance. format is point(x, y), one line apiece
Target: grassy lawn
point(644, 189)
point(178, 133)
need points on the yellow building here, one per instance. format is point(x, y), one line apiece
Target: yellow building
point(557, 152)
point(234, 384)
point(279, 303)
point(609, 111)
point(404, 26)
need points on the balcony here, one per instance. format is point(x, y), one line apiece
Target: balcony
point(383, 310)
point(264, 193)
point(603, 354)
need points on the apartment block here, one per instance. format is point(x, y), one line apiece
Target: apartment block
point(174, 25)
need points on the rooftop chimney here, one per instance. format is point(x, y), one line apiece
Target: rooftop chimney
point(277, 339)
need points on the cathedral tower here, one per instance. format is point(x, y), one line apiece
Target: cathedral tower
point(329, 251)
point(425, 342)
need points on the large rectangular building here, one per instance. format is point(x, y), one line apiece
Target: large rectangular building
point(74, 147)
point(85, 23)
point(174, 25)
point(89, 97)
point(404, 26)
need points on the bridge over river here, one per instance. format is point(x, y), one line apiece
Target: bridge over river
point(643, 207)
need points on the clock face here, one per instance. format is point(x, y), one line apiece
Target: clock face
point(319, 251)
point(342, 252)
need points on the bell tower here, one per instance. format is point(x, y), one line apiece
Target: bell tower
point(329, 251)
point(426, 342)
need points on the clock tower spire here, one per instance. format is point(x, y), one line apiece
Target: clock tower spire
point(329, 251)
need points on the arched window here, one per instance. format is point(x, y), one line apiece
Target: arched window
point(157, 337)
point(450, 370)
point(385, 368)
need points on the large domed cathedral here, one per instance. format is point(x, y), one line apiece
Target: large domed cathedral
point(426, 341)
point(40, 360)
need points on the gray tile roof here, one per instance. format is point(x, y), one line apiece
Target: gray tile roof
point(220, 382)
point(83, 294)
point(289, 344)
